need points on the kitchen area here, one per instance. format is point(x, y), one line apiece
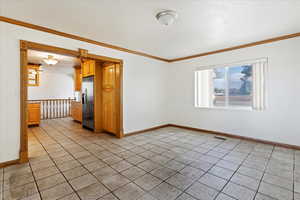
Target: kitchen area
point(80, 89)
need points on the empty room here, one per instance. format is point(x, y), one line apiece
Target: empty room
point(149, 100)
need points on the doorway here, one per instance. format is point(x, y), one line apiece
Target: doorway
point(106, 73)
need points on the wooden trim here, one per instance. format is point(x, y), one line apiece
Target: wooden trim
point(119, 99)
point(50, 49)
point(289, 146)
point(76, 37)
point(270, 40)
point(24, 47)
point(97, 57)
point(146, 130)
point(8, 163)
point(23, 102)
point(237, 137)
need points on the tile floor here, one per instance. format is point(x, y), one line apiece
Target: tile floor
point(67, 162)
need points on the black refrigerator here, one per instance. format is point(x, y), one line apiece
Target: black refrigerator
point(88, 102)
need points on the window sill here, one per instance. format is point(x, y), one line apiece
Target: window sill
point(227, 108)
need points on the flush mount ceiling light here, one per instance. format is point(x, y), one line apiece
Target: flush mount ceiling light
point(166, 17)
point(50, 60)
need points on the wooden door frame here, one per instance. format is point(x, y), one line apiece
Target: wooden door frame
point(81, 53)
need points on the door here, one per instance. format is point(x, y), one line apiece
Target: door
point(109, 98)
point(88, 102)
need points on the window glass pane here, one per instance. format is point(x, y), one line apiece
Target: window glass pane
point(240, 86)
point(219, 87)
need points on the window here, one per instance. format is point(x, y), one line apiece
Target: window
point(234, 86)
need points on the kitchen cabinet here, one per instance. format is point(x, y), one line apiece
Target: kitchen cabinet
point(77, 78)
point(88, 68)
point(76, 111)
point(34, 113)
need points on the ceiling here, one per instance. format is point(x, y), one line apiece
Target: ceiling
point(65, 63)
point(202, 26)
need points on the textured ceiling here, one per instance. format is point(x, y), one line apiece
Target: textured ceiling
point(203, 25)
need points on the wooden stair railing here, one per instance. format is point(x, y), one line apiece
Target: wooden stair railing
point(54, 108)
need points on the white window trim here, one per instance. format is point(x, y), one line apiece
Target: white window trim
point(262, 91)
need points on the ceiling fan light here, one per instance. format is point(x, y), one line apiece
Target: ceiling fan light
point(50, 60)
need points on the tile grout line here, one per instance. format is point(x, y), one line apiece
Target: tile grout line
point(235, 173)
point(163, 181)
point(57, 168)
point(61, 132)
point(183, 191)
point(261, 180)
point(78, 161)
point(135, 165)
point(227, 181)
point(35, 180)
point(207, 172)
point(202, 170)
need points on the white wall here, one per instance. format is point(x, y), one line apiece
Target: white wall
point(157, 93)
point(143, 85)
point(278, 123)
point(56, 82)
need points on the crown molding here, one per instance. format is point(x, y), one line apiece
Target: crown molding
point(270, 40)
point(76, 37)
point(102, 44)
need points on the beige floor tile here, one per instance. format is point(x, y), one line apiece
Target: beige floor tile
point(17, 180)
point(43, 173)
point(180, 181)
point(185, 196)
point(136, 159)
point(275, 191)
point(245, 181)
point(72, 196)
point(163, 173)
point(20, 192)
point(68, 165)
point(147, 182)
point(178, 156)
point(221, 172)
point(192, 172)
point(115, 181)
point(260, 196)
point(121, 166)
point(93, 191)
point(75, 172)
point(175, 165)
point(147, 196)
point(165, 191)
point(201, 191)
point(222, 196)
point(296, 196)
point(95, 165)
point(253, 173)
point(148, 165)
point(104, 173)
point(109, 196)
point(133, 173)
point(213, 181)
point(50, 181)
point(129, 192)
point(239, 192)
point(59, 191)
point(83, 181)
